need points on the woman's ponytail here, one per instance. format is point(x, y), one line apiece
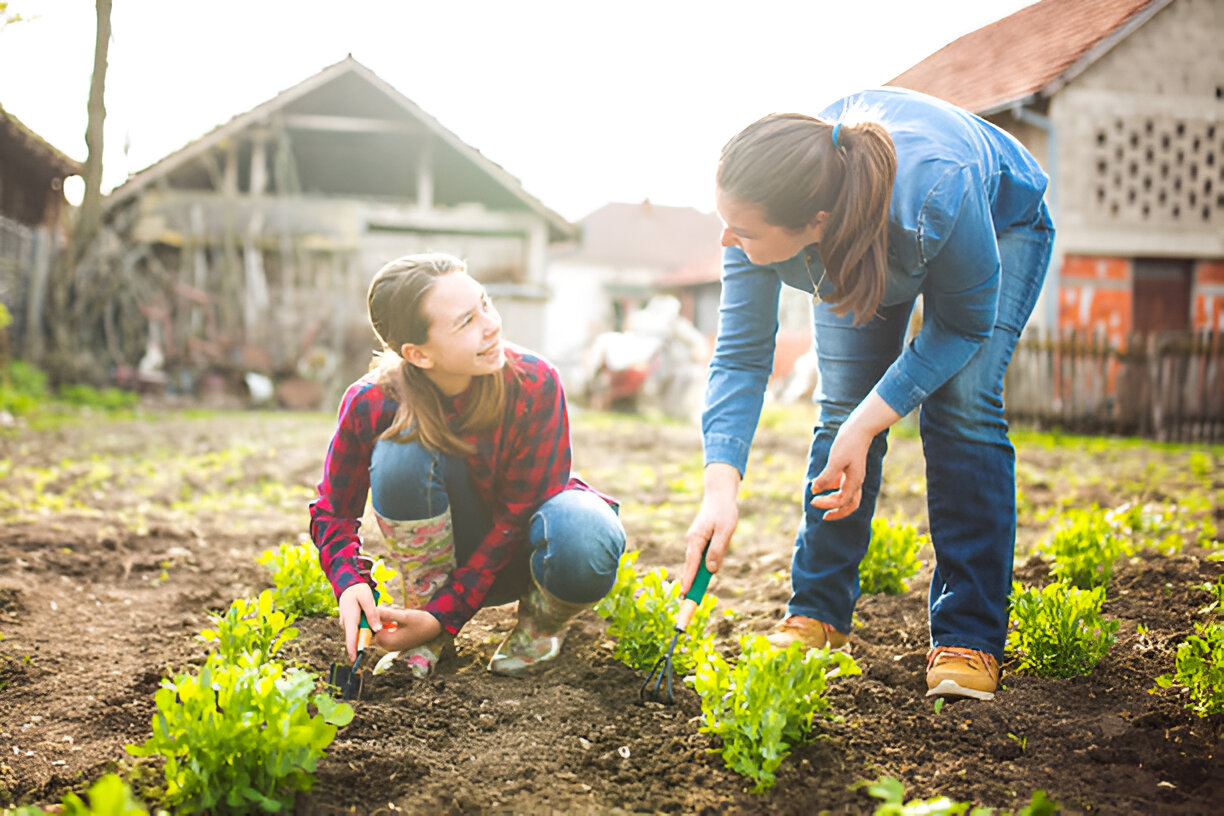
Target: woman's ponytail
point(854, 245)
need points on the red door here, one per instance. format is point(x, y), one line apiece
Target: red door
point(1162, 294)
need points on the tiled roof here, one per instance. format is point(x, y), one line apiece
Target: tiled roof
point(1034, 51)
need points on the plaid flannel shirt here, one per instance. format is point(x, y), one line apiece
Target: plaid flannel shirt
point(517, 466)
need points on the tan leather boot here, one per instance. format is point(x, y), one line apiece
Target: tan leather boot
point(537, 636)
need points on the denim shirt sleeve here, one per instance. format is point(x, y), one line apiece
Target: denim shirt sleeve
point(961, 293)
point(743, 359)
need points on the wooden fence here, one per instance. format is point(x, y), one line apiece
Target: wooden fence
point(1166, 386)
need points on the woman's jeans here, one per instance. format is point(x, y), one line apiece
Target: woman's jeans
point(970, 465)
point(574, 540)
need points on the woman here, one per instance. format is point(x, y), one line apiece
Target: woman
point(886, 195)
point(463, 443)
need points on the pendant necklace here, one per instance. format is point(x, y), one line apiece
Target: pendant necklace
point(807, 258)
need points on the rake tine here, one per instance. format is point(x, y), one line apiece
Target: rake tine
point(664, 666)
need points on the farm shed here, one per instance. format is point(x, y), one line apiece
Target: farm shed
point(255, 244)
point(32, 174)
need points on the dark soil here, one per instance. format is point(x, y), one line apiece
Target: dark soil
point(117, 537)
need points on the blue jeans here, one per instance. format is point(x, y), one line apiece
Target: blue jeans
point(970, 464)
point(574, 540)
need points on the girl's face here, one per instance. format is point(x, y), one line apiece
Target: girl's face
point(464, 334)
point(763, 243)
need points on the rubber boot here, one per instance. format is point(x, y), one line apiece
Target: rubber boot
point(537, 636)
point(423, 553)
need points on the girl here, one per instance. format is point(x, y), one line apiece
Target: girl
point(463, 443)
point(886, 195)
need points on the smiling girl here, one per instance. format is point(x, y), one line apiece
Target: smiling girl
point(462, 442)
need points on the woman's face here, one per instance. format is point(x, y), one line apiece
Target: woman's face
point(763, 243)
point(464, 334)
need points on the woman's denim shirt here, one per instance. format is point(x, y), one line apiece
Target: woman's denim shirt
point(960, 182)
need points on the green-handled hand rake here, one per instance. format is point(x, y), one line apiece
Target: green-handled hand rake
point(662, 675)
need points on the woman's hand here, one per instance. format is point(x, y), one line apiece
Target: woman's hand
point(843, 473)
point(715, 522)
point(414, 627)
point(354, 601)
point(847, 464)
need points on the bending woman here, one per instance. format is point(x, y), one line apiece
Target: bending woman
point(885, 196)
point(462, 442)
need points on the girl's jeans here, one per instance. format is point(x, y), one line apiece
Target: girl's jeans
point(970, 465)
point(574, 540)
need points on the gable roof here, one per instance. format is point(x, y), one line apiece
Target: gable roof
point(346, 68)
point(1027, 55)
point(648, 235)
point(12, 129)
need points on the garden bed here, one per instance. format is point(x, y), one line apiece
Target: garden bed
point(118, 536)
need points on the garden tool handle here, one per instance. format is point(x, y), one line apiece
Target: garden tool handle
point(364, 635)
point(692, 598)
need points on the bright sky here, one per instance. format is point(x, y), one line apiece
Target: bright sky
point(585, 101)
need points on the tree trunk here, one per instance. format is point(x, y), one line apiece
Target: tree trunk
point(66, 360)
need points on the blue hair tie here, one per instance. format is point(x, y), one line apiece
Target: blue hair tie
point(836, 130)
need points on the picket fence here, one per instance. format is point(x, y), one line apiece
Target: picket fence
point(1167, 386)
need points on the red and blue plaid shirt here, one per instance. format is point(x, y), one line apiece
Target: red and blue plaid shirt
point(517, 466)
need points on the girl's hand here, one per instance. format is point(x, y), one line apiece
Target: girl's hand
point(843, 473)
point(354, 601)
point(414, 627)
point(715, 522)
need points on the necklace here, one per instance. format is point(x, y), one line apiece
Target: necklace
point(807, 258)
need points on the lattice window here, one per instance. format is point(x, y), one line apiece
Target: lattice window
point(1155, 170)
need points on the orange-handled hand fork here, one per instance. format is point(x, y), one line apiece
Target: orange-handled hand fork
point(662, 675)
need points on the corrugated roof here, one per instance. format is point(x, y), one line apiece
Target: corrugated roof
point(1033, 52)
point(559, 226)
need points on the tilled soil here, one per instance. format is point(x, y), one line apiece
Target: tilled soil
point(117, 537)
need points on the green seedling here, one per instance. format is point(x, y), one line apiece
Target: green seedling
point(254, 629)
point(241, 737)
point(1058, 631)
point(1200, 669)
point(764, 703)
point(892, 557)
point(641, 612)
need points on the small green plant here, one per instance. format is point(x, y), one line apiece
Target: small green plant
point(252, 628)
point(301, 587)
point(892, 557)
point(106, 399)
point(241, 737)
point(24, 388)
point(1084, 547)
point(641, 613)
point(1200, 669)
point(1019, 740)
point(892, 792)
point(1058, 631)
point(939, 704)
point(109, 796)
point(764, 703)
point(1216, 590)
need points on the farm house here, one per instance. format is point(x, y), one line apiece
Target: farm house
point(250, 249)
point(1122, 101)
